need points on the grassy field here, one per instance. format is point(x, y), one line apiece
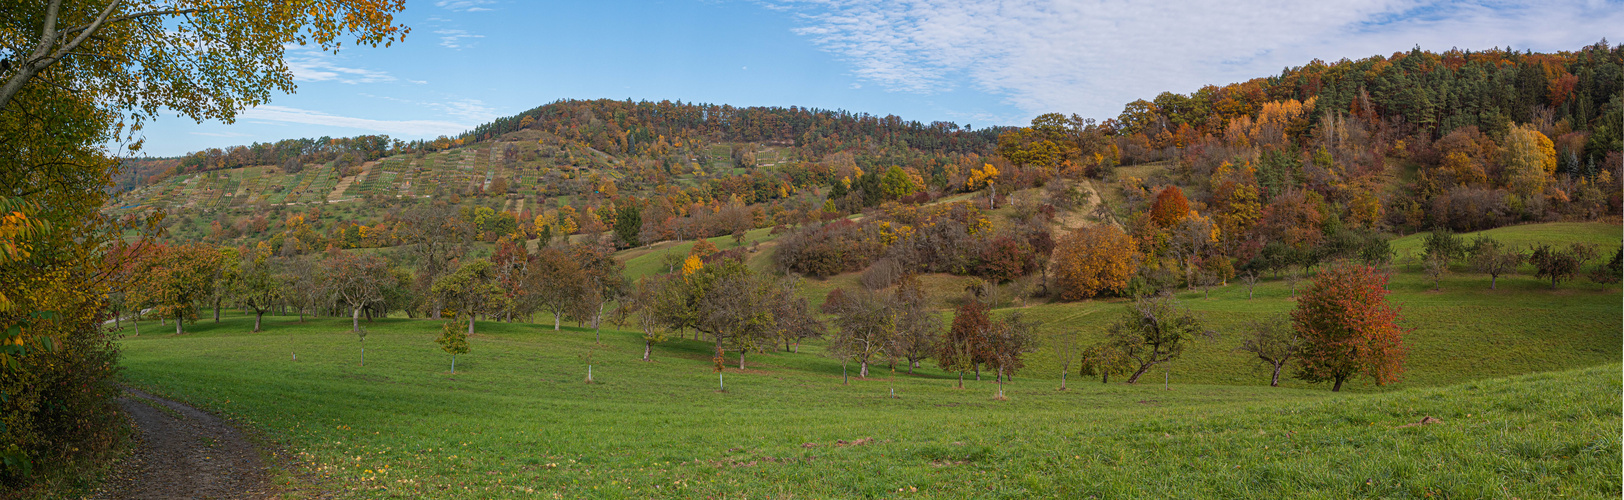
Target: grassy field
point(518, 421)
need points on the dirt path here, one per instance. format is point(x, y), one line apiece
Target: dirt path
point(185, 453)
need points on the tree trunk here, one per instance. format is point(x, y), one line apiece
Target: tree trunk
point(648, 345)
point(178, 322)
point(978, 371)
point(453, 363)
point(1275, 381)
point(470, 324)
point(556, 316)
point(845, 377)
point(597, 323)
point(136, 320)
point(216, 310)
point(1337, 386)
point(257, 315)
point(1063, 379)
point(741, 358)
point(961, 379)
point(1105, 377)
point(1135, 377)
point(355, 319)
point(862, 369)
point(1492, 279)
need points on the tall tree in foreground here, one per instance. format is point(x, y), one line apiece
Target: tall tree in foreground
point(257, 288)
point(1155, 330)
point(1008, 341)
point(557, 283)
point(1346, 328)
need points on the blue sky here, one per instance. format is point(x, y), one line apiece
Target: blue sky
point(971, 62)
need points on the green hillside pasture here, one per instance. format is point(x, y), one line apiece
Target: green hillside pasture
point(1462, 333)
point(1604, 235)
point(517, 421)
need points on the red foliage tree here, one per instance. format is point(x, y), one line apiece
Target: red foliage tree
point(1170, 207)
point(1347, 328)
point(965, 345)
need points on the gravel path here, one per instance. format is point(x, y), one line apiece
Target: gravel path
point(185, 453)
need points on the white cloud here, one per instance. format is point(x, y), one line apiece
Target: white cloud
point(312, 65)
point(464, 5)
point(453, 39)
point(1092, 56)
point(401, 128)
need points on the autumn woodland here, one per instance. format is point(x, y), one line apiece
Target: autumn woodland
point(1389, 275)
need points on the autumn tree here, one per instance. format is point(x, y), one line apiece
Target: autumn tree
point(1346, 328)
point(1093, 260)
point(227, 272)
point(1170, 207)
point(77, 82)
point(1556, 263)
point(964, 347)
point(1273, 341)
point(1008, 340)
point(557, 283)
point(1154, 330)
point(917, 326)
point(257, 288)
point(604, 279)
point(180, 278)
point(865, 324)
point(471, 290)
point(1530, 160)
point(354, 280)
point(1491, 257)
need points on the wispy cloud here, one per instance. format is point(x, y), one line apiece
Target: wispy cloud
point(468, 110)
point(453, 39)
point(1093, 56)
point(402, 128)
point(312, 65)
point(464, 5)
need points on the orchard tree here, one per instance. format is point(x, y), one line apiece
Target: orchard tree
point(1273, 341)
point(453, 341)
point(865, 324)
point(180, 278)
point(354, 280)
point(1346, 328)
point(793, 320)
point(731, 303)
point(604, 278)
point(917, 326)
point(1105, 359)
point(1557, 264)
point(1491, 257)
point(1008, 340)
point(257, 288)
point(557, 283)
point(227, 272)
point(964, 347)
point(471, 290)
point(1093, 260)
point(1154, 330)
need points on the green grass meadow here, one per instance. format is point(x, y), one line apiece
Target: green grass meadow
point(1525, 381)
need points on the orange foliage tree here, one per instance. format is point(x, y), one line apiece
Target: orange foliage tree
point(1170, 207)
point(1093, 260)
point(1348, 329)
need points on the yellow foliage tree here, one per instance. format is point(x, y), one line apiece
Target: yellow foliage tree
point(1530, 160)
